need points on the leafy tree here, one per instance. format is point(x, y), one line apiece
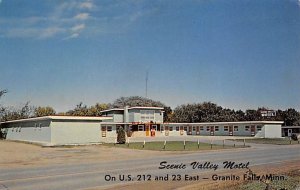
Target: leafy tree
point(240, 115)
point(84, 110)
point(135, 101)
point(291, 117)
point(96, 109)
point(79, 110)
point(253, 115)
point(2, 110)
point(44, 111)
point(186, 113)
point(2, 92)
point(11, 113)
point(168, 114)
point(203, 112)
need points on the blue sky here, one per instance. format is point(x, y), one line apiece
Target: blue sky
point(237, 53)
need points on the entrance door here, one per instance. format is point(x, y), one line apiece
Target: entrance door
point(252, 130)
point(212, 130)
point(290, 131)
point(197, 130)
point(154, 127)
point(147, 130)
point(153, 130)
point(230, 130)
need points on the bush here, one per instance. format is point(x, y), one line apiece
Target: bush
point(121, 138)
point(294, 137)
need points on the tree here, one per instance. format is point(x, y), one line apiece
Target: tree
point(84, 110)
point(135, 101)
point(79, 110)
point(2, 92)
point(44, 111)
point(12, 113)
point(2, 110)
point(291, 117)
point(168, 114)
point(96, 109)
point(253, 115)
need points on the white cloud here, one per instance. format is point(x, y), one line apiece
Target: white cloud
point(77, 28)
point(82, 16)
point(86, 5)
point(34, 32)
point(50, 32)
point(75, 35)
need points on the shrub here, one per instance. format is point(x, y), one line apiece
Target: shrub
point(294, 137)
point(121, 138)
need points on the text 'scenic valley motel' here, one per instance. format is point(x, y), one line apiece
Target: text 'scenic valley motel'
point(137, 122)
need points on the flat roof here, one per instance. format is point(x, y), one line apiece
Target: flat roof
point(294, 127)
point(229, 123)
point(204, 123)
point(113, 109)
point(131, 108)
point(61, 117)
point(140, 107)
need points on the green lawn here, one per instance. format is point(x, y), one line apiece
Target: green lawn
point(278, 141)
point(171, 146)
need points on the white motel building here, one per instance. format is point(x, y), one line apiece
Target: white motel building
point(137, 122)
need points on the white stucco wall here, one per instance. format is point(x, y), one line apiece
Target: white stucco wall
point(272, 131)
point(75, 132)
point(32, 131)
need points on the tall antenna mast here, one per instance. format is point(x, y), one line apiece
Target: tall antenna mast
point(146, 84)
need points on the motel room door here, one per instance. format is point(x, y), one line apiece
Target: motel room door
point(290, 131)
point(190, 130)
point(212, 130)
point(197, 130)
point(252, 129)
point(230, 130)
point(167, 130)
point(181, 130)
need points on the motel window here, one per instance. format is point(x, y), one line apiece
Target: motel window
point(216, 128)
point(258, 128)
point(177, 128)
point(147, 115)
point(201, 128)
point(171, 129)
point(194, 128)
point(141, 128)
point(109, 128)
point(247, 128)
point(225, 128)
point(236, 128)
point(207, 128)
point(185, 128)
